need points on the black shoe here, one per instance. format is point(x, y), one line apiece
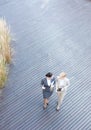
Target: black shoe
point(44, 107)
point(57, 109)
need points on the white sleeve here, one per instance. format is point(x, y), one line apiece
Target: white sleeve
point(56, 84)
point(67, 84)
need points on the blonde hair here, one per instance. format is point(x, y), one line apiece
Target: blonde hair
point(62, 74)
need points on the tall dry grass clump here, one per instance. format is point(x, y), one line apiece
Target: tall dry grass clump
point(5, 51)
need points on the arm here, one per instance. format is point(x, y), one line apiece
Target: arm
point(53, 82)
point(67, 84)
point(42, 83)
point(57, 84)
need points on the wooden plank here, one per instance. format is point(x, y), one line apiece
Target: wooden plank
point(50, 36)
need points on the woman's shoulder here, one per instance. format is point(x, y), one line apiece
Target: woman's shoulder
point(66, 79)
point(57, 78)
point(53, 77)
point(43, 79)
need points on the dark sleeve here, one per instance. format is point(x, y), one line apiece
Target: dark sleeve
point(53, 80)
point(42, 82)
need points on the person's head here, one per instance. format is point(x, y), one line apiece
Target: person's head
point(49, 75)
point(62, 75)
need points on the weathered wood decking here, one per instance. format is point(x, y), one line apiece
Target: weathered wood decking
point(52, 35)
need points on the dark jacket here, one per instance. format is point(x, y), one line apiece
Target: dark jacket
point(47, 91)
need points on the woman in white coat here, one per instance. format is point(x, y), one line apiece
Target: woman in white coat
point(62, 84)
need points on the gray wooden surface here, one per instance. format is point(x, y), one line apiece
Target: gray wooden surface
point(51, 35)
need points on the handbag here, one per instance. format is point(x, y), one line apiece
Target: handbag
point(59, 89)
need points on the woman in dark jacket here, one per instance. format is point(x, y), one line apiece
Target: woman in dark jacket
point(47, 88)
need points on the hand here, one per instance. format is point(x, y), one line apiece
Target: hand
point(43, 87)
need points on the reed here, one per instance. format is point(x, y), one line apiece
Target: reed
point(5, 51)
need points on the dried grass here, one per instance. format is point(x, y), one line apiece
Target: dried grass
point(5, 51)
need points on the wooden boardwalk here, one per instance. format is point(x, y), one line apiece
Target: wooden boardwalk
point(51, 35)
